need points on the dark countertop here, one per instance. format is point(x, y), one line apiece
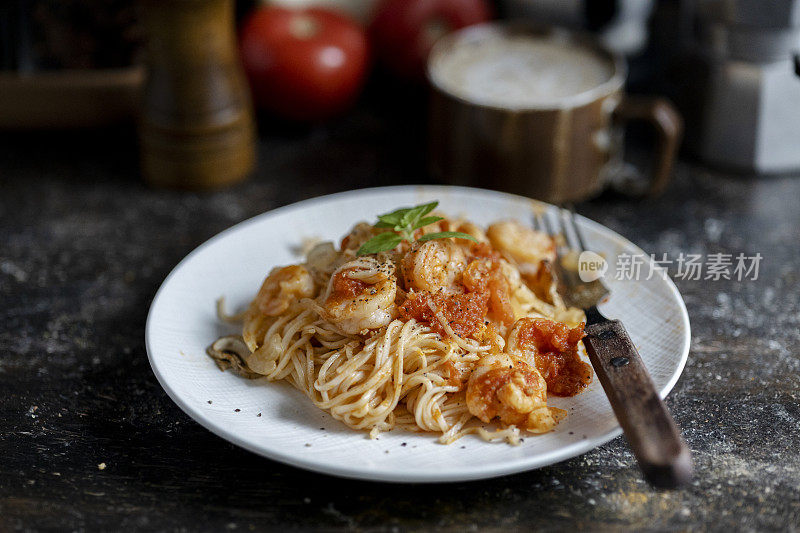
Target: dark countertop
point(84, 245)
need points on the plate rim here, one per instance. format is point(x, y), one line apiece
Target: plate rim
point(320, 466)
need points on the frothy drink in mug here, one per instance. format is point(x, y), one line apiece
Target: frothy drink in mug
point(520, 71)
point(538, 111)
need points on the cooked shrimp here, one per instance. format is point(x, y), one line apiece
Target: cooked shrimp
point(553, 348)
point(361, 295)
point(485, 275)
point(322, 260)
point(511, 390)
point(434, 265)
point(361, 233)
point(543, 283)
point(283, 286)
point(472, 229)
point(522, 245)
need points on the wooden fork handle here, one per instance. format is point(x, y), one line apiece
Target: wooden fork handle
point(662, 454)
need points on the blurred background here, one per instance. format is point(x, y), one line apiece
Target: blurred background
point(200, 94)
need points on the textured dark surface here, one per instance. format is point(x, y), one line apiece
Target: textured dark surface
point(84, 246)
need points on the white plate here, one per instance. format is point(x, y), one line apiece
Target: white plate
point(182, 322)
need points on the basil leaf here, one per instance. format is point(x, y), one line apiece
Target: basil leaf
point(404, 221)
point(445, 235)
point(415, 213)
point(427, 208)
point(425, 221)
point(382, 224)
point(394, 218)
point(380, 243)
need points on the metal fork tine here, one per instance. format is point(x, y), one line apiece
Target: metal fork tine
point(567, 228)
point(538, 223)
point(570, 217)
point(561, 226)
point(547, 225)
point(553, 231)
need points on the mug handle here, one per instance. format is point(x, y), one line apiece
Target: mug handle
point(666, 120)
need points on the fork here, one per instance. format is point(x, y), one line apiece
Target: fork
point(662, 454)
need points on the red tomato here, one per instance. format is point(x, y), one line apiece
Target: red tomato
point(403, 31)
point(303, 64)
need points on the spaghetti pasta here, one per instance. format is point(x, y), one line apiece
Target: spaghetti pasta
point(417, 337)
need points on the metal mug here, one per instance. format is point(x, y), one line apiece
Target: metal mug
point(567, 150)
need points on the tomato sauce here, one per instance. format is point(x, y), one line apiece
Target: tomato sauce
point(346, 288)
point(483, 275)
point(555, 348)
point(464, 313)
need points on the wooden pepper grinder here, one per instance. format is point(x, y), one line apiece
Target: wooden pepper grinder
point(196, 128)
